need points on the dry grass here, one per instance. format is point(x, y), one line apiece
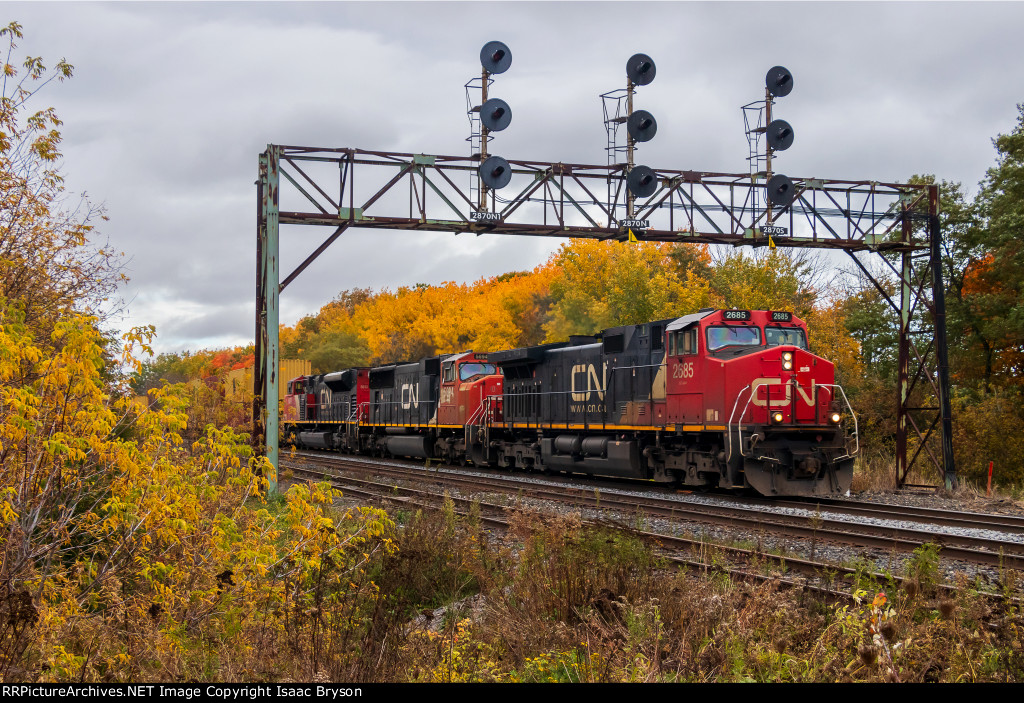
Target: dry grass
point(554, 600)
point(874, 471)
point(566, 603)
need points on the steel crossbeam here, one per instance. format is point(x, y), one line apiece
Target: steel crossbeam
point(355, 188)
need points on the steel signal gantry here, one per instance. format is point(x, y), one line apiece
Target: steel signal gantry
point(374, 190)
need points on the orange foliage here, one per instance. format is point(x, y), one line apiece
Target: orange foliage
point(830, 339)
point(976, 278)
point(491, 314)
point(981, 282)
point(584, 287)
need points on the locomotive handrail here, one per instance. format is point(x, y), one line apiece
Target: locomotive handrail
point(739, 425)
point(479, 415)
point(639, 366)
point(753, 390)
point(611, 370)
point(399, 402)
point(856, 433)
point(728, 425)
point(354, 415)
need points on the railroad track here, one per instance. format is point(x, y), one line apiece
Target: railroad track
point(669, 547)
point(756, 523)
point(825, 579)
point(936, 516)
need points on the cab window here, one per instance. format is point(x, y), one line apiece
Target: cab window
point(468, 371)
point(688, 341)
point(777, 336)
point(449, 373)
point(722, 336)
point(683, 342)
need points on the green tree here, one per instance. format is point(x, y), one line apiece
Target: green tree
point(771, 279)
point(336, 348)
point(993, 298)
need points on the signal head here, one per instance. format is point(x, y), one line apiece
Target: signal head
point(495, 172)
point(780, 190)
point(780, 135)
point(495, 114)
point(642, 126)
point(495, 57)
point(779, 81)
point(640, 69)
point(642, 181)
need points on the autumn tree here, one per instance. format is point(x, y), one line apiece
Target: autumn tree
point(127, 553)
point(766, 279)
point(47, 263)
point(605, 284)
point(991, 277)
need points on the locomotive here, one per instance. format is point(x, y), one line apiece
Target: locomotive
point(719, 398)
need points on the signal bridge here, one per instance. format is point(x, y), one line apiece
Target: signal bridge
point(348, 188)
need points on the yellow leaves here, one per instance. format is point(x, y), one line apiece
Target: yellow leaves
point(830, 338)
point(141, 337)
point(7, 512)
point(604, 284)
point(490, 314)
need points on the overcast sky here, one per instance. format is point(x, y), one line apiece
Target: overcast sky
point(172, 103)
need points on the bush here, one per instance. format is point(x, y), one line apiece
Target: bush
point(990, 428)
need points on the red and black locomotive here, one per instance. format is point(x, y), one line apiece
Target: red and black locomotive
point(724, 398)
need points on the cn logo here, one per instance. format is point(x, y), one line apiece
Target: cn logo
point(325, 396)
point(778, 402)
point(410, 396)
point(590, 382)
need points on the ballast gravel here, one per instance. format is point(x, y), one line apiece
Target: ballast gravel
point(872, 558)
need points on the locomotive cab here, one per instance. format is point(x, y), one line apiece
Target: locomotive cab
point(470, 389)
point(751, 375)
point(300, 400)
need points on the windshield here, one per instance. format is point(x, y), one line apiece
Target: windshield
point(776, 336)
point(468, 371)
point(719, 337)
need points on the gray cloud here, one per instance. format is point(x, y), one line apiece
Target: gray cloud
point(172, 103)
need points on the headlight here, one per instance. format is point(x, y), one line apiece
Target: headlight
point(787, 365)
point(787, 356)
point(776, 417)
point(835, 418)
